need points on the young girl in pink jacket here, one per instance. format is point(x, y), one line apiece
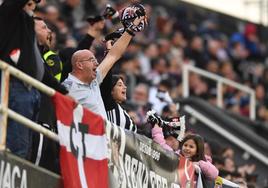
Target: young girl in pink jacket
point(191, 147)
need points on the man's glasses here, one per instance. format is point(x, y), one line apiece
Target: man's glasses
point(91, 59)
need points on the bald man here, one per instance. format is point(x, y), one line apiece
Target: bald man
point(87, 75)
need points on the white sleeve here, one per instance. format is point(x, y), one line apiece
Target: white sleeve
point(99, 77)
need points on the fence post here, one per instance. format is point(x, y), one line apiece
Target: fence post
point(219, 94)
point(4, 100)
point(185, 80)
point(252, 106)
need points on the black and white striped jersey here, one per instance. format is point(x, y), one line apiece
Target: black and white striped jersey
point(115, 113)
point(121, 118)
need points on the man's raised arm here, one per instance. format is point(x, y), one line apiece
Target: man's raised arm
point(121, 44)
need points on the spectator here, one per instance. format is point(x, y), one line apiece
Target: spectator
point(228, 152)
point(150, 52)
point(67, 8)
point(167, 138)
point(195, 51)
point(44, 38)
point(52, 14)
point(129, 66)
point(229, 164)
point(169, 111)
point(83, 82)
point(192, 147)
point(45, 151)
point(198, 87)
point(227, 71)
point(252, 41)
point(113, 95)
point(20, 50)
point(47, 113)
point(159, 96)
point(140, 99)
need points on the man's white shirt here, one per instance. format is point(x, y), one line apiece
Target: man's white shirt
point(87, 94)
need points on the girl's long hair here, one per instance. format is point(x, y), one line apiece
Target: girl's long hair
point(199, 141)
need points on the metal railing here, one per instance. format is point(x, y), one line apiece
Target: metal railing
point(220, 81)
point(8, 70)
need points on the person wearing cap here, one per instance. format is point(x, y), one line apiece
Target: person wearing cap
point(18, 47)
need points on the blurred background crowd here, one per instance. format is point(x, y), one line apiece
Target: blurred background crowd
point(172, 38)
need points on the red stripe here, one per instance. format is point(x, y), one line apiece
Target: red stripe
point(64, 108)
point(96, 123)
point(97, 173)
point(69, 169)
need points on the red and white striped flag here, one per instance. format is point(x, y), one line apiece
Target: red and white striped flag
point(83, 152)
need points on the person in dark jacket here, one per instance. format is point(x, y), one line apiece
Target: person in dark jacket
point(18, 47)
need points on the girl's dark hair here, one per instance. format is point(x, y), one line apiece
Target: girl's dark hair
point(199, 141)
point(115, 78)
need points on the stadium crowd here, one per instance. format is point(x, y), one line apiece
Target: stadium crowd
point(149, 73)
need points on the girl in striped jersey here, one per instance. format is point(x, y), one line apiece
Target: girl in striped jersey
point(113, 90)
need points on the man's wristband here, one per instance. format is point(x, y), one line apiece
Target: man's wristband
point(130, 32)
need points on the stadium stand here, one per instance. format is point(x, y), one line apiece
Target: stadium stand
point(179, 33)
